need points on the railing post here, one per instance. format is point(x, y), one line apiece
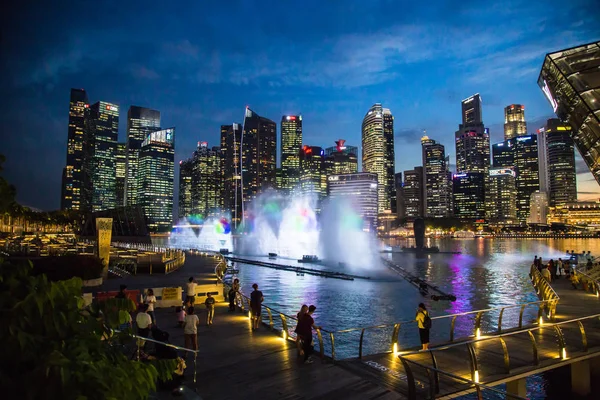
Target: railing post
point(284, 327)
point(270, 318)
point(500, 321)
point(584, 341)
point(534, 348)
point(452, 328)
point(410, 380)
point(395, 337)
point(477, 331)
point(506, 356)
point(561, 342)
point(435, 373)
point(360, 343)
point(332, 347)
point(521, 315)
point(320, 338)
point(474, 366)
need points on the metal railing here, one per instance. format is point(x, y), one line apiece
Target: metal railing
point(589, 281)
point(566, 338)
point(474, 320)
point(544, 291)
point(435, 376)
point(140, 343)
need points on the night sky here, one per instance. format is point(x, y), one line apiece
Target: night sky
point(201, 62)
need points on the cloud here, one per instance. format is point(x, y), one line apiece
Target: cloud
point(410, 135)
point(139, 71)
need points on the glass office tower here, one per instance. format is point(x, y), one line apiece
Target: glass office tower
point(291, 143)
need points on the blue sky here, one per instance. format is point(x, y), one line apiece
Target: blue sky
point(201, 62)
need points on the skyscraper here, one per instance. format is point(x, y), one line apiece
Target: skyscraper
point(259, 155)
point(156, 179)
point(121, 173)
point(503, 194)
point(400, 207)
point(360, 190)
point(472, 162)
point(185, 188)
point(413, 192)
point(249, 162)
point(101, 157)
point(291, 143)
point(538, 213)
point(206, 181)
point(231, 136)
point(378, 153)
point(557, 161)
point(468, 193)
point(436, 179)
point(140, 123)
point(514, 121)
point(312, 177)
point(569, 79)
point(521, 154)
point(72, 180)
point(341, 159)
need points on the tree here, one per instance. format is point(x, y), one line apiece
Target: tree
point(7, 191)
point(55, 348)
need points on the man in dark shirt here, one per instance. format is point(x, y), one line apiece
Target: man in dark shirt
point(256, 299)
point(304, 329)
point(121, 294)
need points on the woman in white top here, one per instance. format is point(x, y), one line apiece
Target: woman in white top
point(190, 329)
point(150, 300)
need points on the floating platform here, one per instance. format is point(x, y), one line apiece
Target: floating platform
point(300, 271)
point(310, 259)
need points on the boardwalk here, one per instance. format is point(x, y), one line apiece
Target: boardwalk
point(238, 363)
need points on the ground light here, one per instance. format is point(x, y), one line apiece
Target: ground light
point(541, 321)
point(476, 376)
point(284, 335)
point(478, 333)
point(395, 349)
point(564, 353)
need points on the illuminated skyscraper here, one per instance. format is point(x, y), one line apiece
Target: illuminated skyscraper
point(468, 192)
point(569, 79)
point(72, 180)
point(360, 191)
point(101, 157)
point(514, 121)
point(231, 171)
point(378, 153)
point(437, 197)
point(503, 194)
point(249, 162)
point(557, 163)
point(206, 181)
point(313, 181)
point(538, 208)
point(413, 193)
point(140, 123)
point(341, 159)
point(291, 143)
point(156, 179)
point(472, 162)
point(121, 174)
point(185, 188)
point(400, 207)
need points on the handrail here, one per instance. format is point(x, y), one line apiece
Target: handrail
point(593, 283)
point(142, 339)
point(434, 385)
point(544, 290)
point(503, 335)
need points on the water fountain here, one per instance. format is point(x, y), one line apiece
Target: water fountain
point(194, 232)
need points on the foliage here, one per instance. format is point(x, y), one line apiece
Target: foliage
point(56, 349)
point(68, 266)
point(7, 191)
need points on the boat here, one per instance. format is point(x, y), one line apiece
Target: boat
point(413, 249)
point(463, 235)
point(272, 255)
point(309, 259)
point(224, 251)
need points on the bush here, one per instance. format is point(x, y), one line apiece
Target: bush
point(55, 349)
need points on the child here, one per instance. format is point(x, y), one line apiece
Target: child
point(180, 316)
point(210, 308)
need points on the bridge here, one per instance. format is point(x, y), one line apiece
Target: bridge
point(471, 352)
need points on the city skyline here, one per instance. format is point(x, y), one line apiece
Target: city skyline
point(394, 61)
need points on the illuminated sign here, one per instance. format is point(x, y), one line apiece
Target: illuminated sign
point(307, 150)
point(563, 128)
point(502, 171)
point(110, 107)
point(373, 186)
point(340, 145)
point(548, 94)
point(202, 144)
point(333, 178)
point(162, 136)
point(290, 118)
point(499, 144)
point(460, 175)
point(522, 138)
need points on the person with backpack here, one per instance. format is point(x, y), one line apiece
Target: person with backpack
point(424, 323)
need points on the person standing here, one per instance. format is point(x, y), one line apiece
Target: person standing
point(190, 329)
point(231, 295)
point(237, 294)
point(546, 274)
point(150, 300)
point(552, 268)
point(143, 321)
point(559, 267)
point(190, 292)
point(424, 323)
point(256, 299)
point(299, 340)
point(210, 308)
point(122, 294)
point(304, 330)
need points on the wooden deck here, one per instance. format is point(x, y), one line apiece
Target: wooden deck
point(497, 358)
